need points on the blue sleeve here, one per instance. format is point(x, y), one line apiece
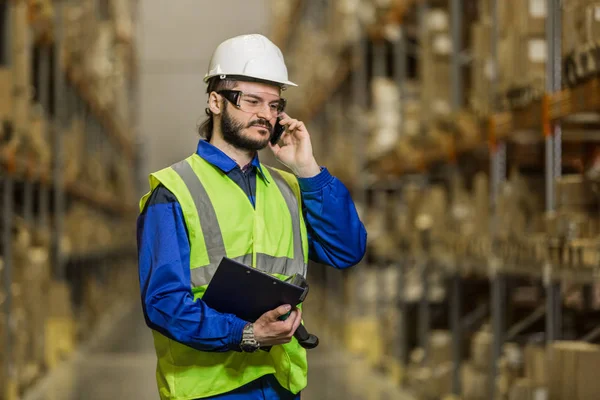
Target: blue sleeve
point(336, 235)
point(164, 273)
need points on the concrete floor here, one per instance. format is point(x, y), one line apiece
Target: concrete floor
point(119, 363)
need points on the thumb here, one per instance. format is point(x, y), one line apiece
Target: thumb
point(279, 311)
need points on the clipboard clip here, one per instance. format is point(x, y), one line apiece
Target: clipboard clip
point(301, 282)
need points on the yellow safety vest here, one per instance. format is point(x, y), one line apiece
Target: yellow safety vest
point(221, 222)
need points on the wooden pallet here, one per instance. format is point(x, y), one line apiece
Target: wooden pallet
point(583, 98)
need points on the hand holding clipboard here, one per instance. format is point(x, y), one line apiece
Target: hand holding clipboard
point(250, 294)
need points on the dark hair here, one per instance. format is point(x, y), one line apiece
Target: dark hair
point(214, 85)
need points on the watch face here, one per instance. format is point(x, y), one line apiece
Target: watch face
point(248, 347)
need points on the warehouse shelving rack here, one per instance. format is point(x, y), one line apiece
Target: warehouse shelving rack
point(543, 115)
point(39, 193)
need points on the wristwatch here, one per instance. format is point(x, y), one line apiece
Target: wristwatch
point(249, 343)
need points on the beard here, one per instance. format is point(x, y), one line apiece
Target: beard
point(232, 132)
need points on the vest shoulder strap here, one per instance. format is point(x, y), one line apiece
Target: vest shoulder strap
point(289, 178)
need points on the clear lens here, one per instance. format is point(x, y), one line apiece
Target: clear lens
point(257, 102)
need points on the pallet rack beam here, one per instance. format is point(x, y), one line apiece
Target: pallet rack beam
point(592, 336)
point(475, 317)
point(526, 322)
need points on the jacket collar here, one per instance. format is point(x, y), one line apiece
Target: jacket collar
point(216, 157)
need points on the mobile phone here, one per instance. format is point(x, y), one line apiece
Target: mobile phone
point(277, 132)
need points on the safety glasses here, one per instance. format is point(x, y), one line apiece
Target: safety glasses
point(255, 102)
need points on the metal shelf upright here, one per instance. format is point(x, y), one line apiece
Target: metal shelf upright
point(7, 219)
point(359, 89)
point(498, 176)
point(455, 292)
point(400, 76)
point(553, 136)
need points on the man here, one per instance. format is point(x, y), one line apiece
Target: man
point(222, 202)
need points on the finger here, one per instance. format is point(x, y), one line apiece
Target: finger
point(289, 323)
point(292, 126)
point(278, 312)
point(285, 120)
point(297, 321)
point(284, 139)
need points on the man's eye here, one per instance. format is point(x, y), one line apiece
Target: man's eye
point(252, 102)
point(274, 106)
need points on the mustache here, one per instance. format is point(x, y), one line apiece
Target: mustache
point(262, 123)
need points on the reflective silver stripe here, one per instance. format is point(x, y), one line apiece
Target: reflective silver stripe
point(277, 265)
point(209, 224)
point(272, 265)
point(202, 275)
point(292, 202)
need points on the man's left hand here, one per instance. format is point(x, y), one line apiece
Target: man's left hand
point(294, 149)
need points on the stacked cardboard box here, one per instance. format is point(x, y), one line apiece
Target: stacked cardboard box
point(510, 368)
point(475, 372)
point(38, 137)
point(122, 104)
point(574, 222)
point(529, 45)
point(88, 230)
point(31, 274)
point(60, 328)
point(522, 390)
point(522, 52)
point(536, 372)
point(435, 66)
point(481, 69)
point(385, 121)
point(573, 371)
point(74, 147)
point(21, 71)
point(581, 24)
point(431, 378)
point(6, 98)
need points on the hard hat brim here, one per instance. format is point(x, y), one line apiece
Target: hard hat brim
point(249, 78)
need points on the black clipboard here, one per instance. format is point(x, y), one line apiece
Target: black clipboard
point(248, 292)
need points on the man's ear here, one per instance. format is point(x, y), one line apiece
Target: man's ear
point(214, 103)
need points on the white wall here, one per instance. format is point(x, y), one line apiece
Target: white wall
point(176, 40)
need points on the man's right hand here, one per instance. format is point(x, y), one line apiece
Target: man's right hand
point(269, 330)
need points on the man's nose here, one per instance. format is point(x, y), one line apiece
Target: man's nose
point(265, 112)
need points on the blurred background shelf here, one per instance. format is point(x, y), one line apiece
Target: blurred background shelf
point(467, 131)
point(67, 179)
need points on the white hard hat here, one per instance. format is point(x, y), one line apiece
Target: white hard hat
point(252, 56)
